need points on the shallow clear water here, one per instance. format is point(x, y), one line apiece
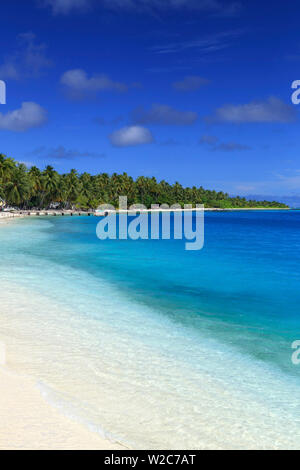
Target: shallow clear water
point(155, 346)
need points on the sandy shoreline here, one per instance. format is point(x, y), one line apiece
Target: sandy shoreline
point(28, 422)
point(6, 216)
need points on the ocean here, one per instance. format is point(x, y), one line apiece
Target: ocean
point(154, 346)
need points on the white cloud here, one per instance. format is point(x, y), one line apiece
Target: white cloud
point(209, 140)
point(78, 84)
point(206, 5)
point(272, 110)
point(62, 153)
point(130, 136)
point(30, 115)
point(190, 83)
point(164, 114)
point(215, 6)
point(231, 147)
point(204, 45)
point(290, 180)
point(66, 6)
point(285, 183)
point(214, 143)
point(8, 70)
point(28, 60)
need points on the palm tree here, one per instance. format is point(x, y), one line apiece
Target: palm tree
point(50, 184)
point(7, 166)
point(17, 190)
point(72, 187)
point(36, 179)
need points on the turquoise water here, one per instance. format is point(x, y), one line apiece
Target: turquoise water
point(155, 346)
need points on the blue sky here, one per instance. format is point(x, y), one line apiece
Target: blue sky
point(196, 91)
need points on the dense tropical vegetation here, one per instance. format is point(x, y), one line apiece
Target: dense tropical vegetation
point(32, 188)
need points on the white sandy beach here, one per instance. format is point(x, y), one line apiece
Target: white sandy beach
point(4, 216)
point(29, 422)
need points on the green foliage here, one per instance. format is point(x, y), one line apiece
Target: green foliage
point(34, 188)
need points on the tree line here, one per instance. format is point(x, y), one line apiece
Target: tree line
point(28, 188)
